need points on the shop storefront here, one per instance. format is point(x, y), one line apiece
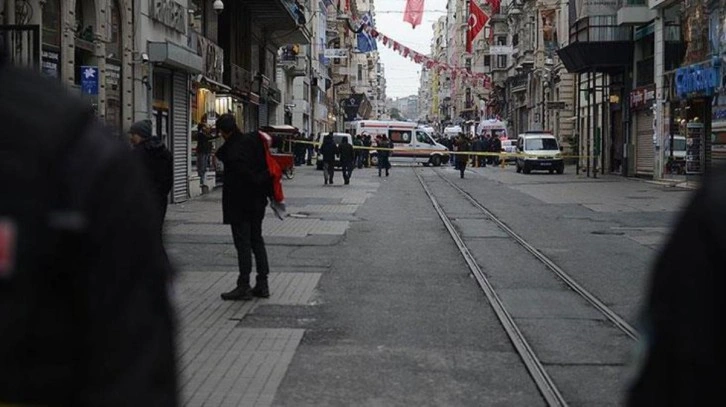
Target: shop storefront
point(641, 102)
point(692, 115)
point(171, 107)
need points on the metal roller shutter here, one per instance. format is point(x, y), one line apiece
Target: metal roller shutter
point(644, 154)
point(180, 136)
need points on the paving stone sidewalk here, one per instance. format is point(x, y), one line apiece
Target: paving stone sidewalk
point(222, 362)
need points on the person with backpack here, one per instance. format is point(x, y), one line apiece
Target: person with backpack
point(347, 156)
point(158, 164)
point(329, 150)
point(85, 313)
point(247, 186)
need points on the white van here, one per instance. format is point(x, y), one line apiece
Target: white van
point(540, 152)
point(337, 137)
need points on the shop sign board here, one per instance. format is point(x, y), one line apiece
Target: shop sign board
point(501, 50)
point(697, 80)
point(89, 80)
point(642, 97)
point(336, 53)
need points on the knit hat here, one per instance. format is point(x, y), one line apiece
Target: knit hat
point(141, 128)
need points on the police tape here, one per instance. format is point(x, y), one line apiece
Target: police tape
point(469, 153)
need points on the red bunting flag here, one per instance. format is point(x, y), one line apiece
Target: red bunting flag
point(495, 5)
point(414, 12)
point(406, 51)
point(385, 40)
point(477, 20)
point(396, 46)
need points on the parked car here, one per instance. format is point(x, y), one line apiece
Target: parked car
point(540, 151)
point(337, 137)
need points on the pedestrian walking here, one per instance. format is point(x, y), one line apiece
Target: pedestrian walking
point(158, 165)
point(357, 144)
point(367, 143)
point(347, 156)
point(85, 315)
point(329, 150)
point(681, 354)
point(204, 147)
point(462, 145)
point(384, 154)
point(247, 186)
point(486, 147)
point(476, 147)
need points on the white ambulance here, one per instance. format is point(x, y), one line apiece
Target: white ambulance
point(411, 145)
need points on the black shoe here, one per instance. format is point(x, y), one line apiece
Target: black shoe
point(261, 291)
point(238, 294)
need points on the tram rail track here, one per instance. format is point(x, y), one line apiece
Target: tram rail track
point(543, 381)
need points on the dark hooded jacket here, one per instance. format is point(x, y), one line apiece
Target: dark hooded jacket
point(683, 322)
point(247, 181)
point(328, 149)
point(347, 153)
point(159, 167)
point(85, 317)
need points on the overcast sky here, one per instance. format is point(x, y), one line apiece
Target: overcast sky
point(402, 74)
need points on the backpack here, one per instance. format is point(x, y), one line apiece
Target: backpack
point(274, 168)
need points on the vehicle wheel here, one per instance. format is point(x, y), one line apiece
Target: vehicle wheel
point(289, 173)
point(374, 161)
point(552, 171)
point(519, 169)
point(436, 161)
point(561, 170)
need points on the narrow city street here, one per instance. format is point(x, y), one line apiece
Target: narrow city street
point(375, 301)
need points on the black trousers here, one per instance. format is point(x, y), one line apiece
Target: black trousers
point(247, 240)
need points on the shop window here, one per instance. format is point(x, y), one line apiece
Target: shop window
point(51, 23)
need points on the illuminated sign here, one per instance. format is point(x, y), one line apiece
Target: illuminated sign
point(697, 80)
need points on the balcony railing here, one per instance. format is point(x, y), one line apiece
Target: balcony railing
point(600, 29)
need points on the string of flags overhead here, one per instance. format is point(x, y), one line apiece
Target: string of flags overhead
point(471, 78)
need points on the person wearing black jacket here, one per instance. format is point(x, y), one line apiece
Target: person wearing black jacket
point(158, 163)
point(85, 314)
point(347, 159)
point(681, 352)
point(247, 186)
point(329, 150)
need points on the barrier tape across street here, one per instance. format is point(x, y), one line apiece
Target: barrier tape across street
point(447, 152)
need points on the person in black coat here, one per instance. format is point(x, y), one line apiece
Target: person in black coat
point(85, 314)
point(158, 164)
point(329, 150)
point(247, 186)
point(347, 159)
point(681, 356)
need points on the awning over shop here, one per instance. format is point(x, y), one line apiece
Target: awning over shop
point(214, 85)
point(175, 56)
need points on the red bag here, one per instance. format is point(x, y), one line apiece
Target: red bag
point(274, 168)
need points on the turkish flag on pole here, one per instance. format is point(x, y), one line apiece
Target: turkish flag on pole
point(414, 12)
point(477, 20)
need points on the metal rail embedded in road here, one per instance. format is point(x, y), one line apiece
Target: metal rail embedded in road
point(542, 380)
point(616, 319)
